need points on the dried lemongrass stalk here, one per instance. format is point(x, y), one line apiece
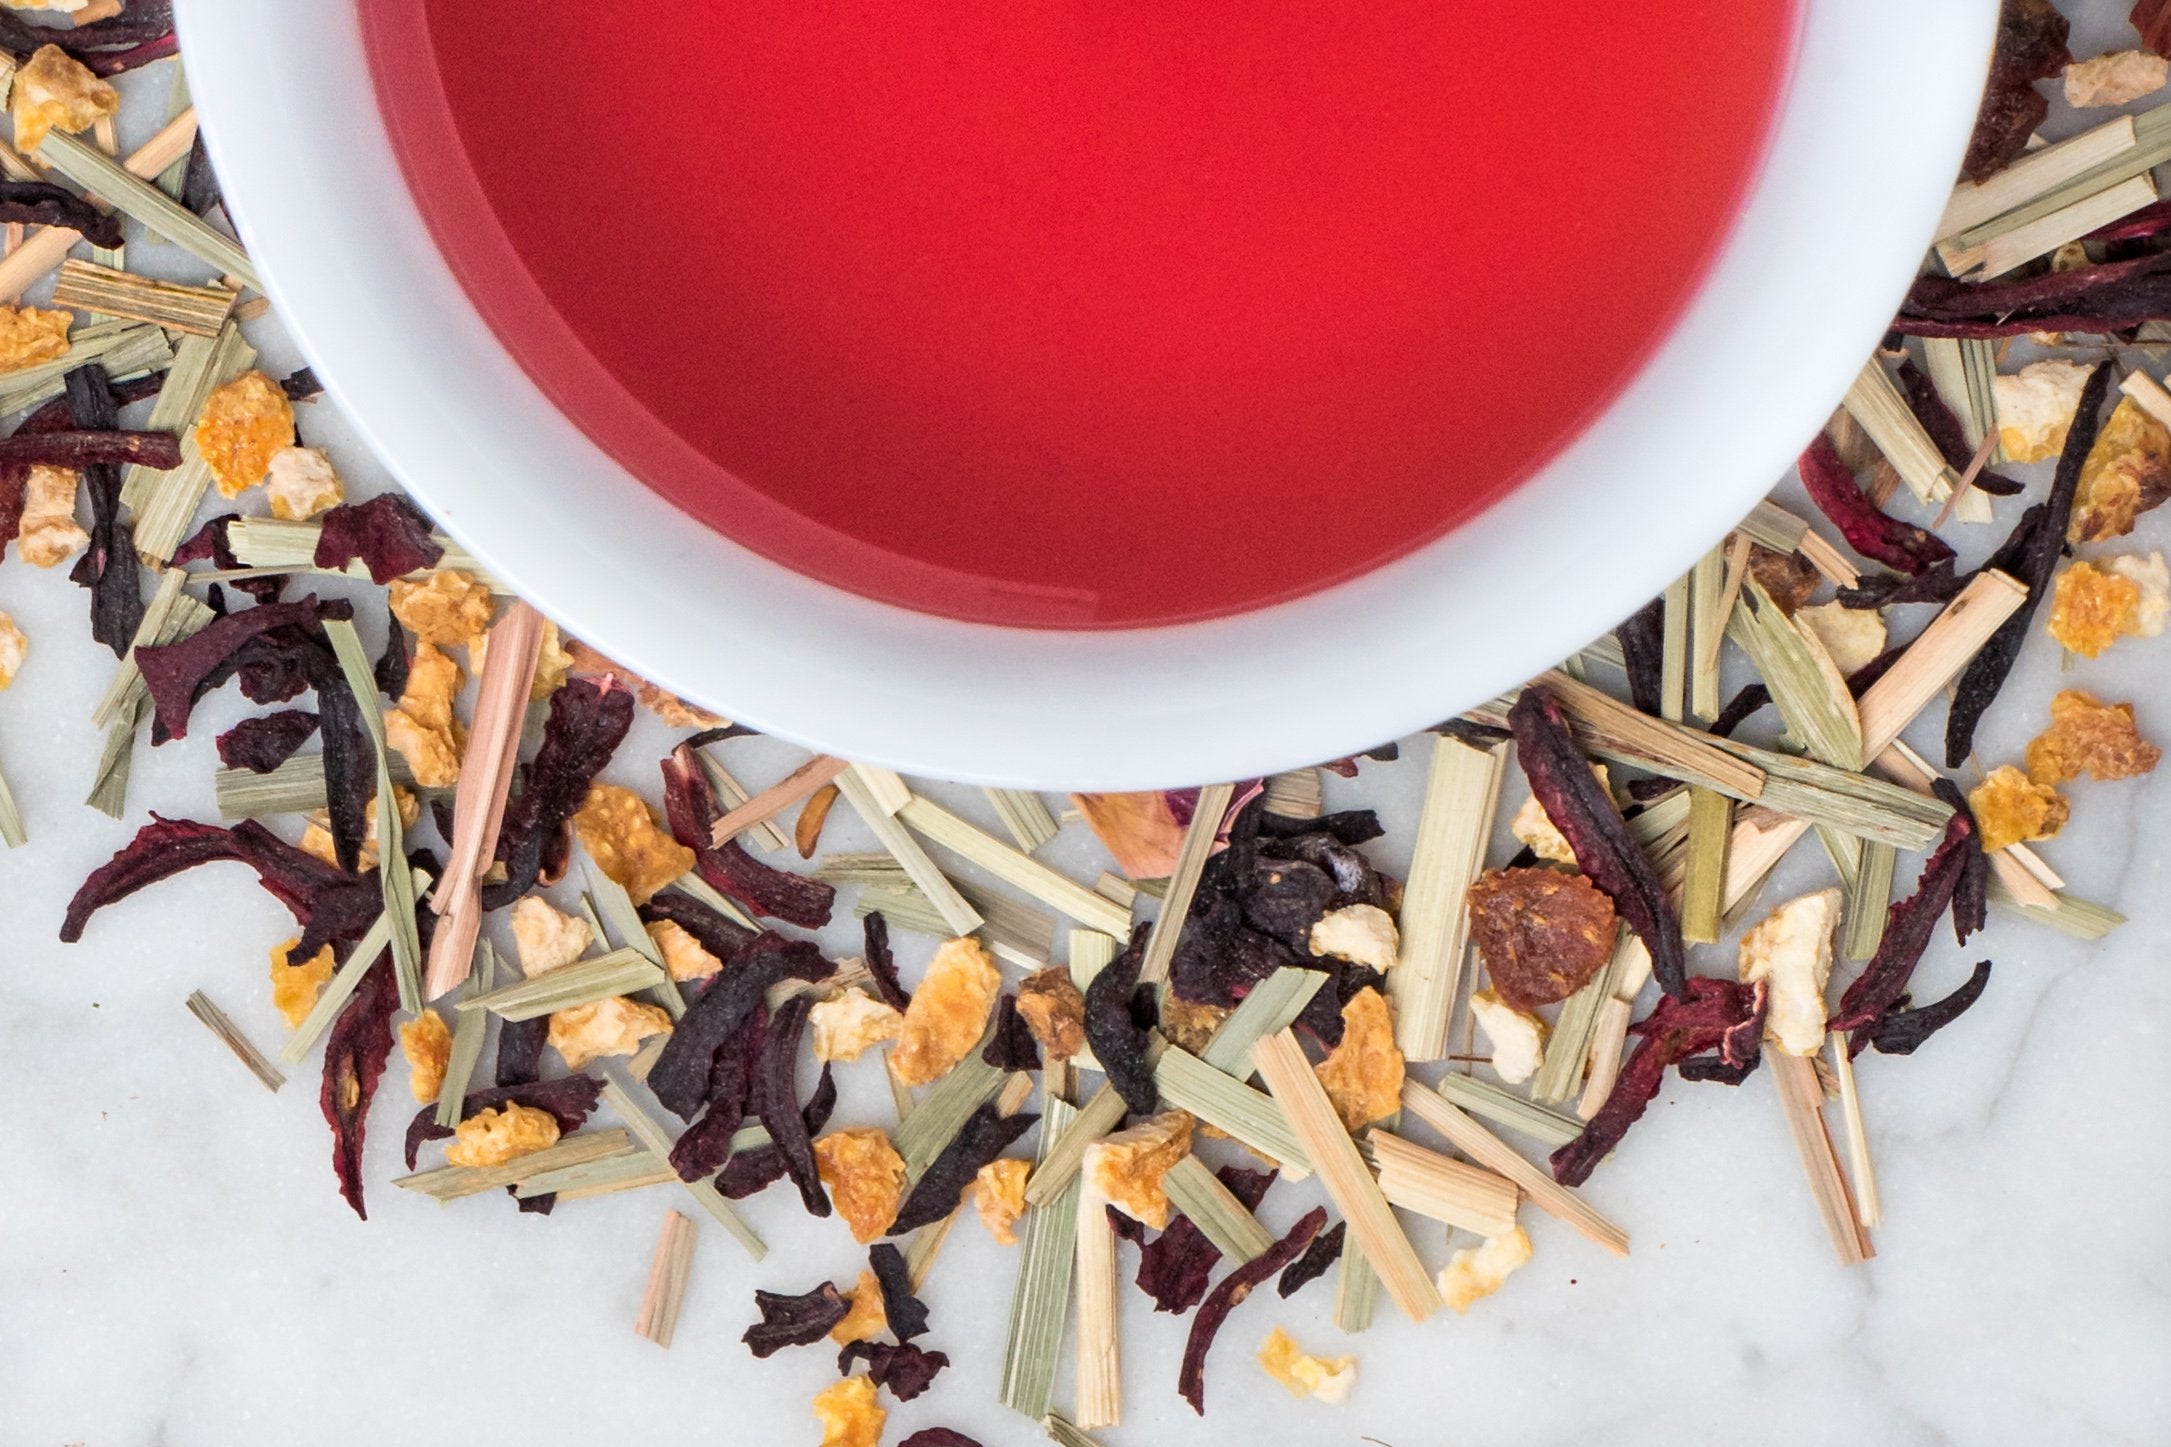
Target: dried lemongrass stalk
point(1673, 678)
point(169, 617)
point(1945, 359)
point(1560, 1073)
point(1372, 1226)
point(1670, 749)
point(1041, 1299)
point(1801, 1100)
point(1065, 1433)
point(657, 1141)
point(126, 350)
point(1806, 687)
point(2033, 175)
point(341, 987)
point(1025, 815)
point(1462, 794)
point(1703, 884)
point(478, 803)
point(1488, 1150)
point(50, 245)
point(1013, 931)
point(2072, 916)
point(1100, 1362)
point(453, 1183)
point(295, 787)
point(470, 1029)
point(1445, 1189)
point(1825, 556)
point(1609, 1042)
point(632, 1171)
point(198, 310)
point(1019, 870)
point(1774, 527)
point(1116, 889)
point(2151, 148)
point(2028, 879)
point(1713, 584)
point(731, 793)
point(798, 784)
point(667, 1275)
point(926, 1246)
point(1869, 1205)
point(1183, 882)
point(937, 1119)
point(1273, 1003)
point(961, 917)
point(1356, 1293)
point(1868, 898)
point(621, 972)
point(399, 892)
point(879, 869)
point(1294, 794)
point(2000, 253)
point(1197, 1192)
point(285, 546)
point(2148, 394)
point(1875, 401)
point(215, 1020)
point(1503, 1107)
point(135, 197)
point(890, 793)
point(1064, 1154)
point(1935, 658)
point(614, 917)
point(166, 502)
point(1230, 1106)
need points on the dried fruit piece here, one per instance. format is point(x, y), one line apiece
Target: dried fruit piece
point(1174, 1267)
point(2153, 577)
point(568, 1101)
point(2036, 406)
point(56, 92)
point(1189, 1025)
point(1230, 1294)
point(1790, 953)
point(614, 1025)
point(2086, 737)
point(2127, 473)
point(2012, 809)
point(2091, 610)
point(948, 1012)
point(851, 1023)
point(2115, 78)
point(865, 1177)
point(48, 533)
point(621, 835)
point(1118, 1018)
point(849, 1415)
point(545, 937)
point(244, 424)
point(301, 482)
point(865, 1318)
point(1324, 1379)
point(1789, 578)
point(1518, 1037)
point(295, 987)
point(1363, 934)
point(586, 723)
point(734, 1077)
point(1325, 1250)
point(1127, 1167)
point(684, 958)
point(426, 1041)
point(675, 712)
point(421, 728)
point(998, 1195)
point(1054, 1010)
point(1534, 827)
point(448, 608)
point(14, 648)
point(501, 1133)
point(1472, 1274)
point(388, 534)
point(794, 1321)
point(986, 1134)
point(1853, 637)
point(1541, 933)
point(1362, 1075)
point(317, 837)
point(354, 1058)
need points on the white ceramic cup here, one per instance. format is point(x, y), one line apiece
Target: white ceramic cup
point(1866, 144)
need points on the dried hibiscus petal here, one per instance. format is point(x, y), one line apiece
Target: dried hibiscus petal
point(177, 674)
point(984, 1136)
point(1174, 1267)
point(568, 1099)
point(1285, 898)
point(1712, 1015)
point(1909, 924)
point(903, 1370)
point(905, 1313)
point(1739, 709)
point(1114, 1005)
point(721, 937)
point(1219, 958)
point(80, 447)
point(388, 533)
point(166, 847)
point(2109, 297)
point(108, 566)
point(2031, 47)
point(1584, 813)
point(1903, 1030)
point(1325, 1250)
point(1230, 1294)
point(1944, 428)
point(208, 544)
point(1011, 1046)
point(1347, 826)
point(1869, 530)
point(680, 1076)
point(355, 1051)
point(2031, 555)
point(881, 964)
point(734, 1081)
point(1642, 636)
point(588, 719)
point(520, 1050)
point(263, 744)
point(756, 1170)
point(690, 806)
point(938, 1437)
point(779, 1102)
point(794, 1321)
point(39, 203)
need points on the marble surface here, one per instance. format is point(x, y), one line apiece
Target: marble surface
point(176, 1268)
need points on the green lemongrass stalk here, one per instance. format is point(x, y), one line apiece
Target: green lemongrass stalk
point(341, 987)
point(165, 503)
point(937, 1119)
point(1019, 870)
point(470, 1028)
point(1500, 1107)
point(731, 794)
point(958, 917)
point(140, 201)
point(1674, 640)
point(452, 1183)
point(1273, 1004)
point(1197, 1192)
point(1024, 815)
point(127, 350)
point(1809, 692)
point(1207, 813)
point(1041, 1299)
point(1065, 1152)
point(1869, 899)
point(1703, 887)
point(295, 787)
point(216, 1021)
point(1707, 622)
point(620, 972)
point(2073, 916)
point(1462, 795)
point(1228, 1104)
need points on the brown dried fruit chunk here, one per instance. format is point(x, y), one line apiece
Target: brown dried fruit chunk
point(1542, 934)
point(867, 1319)
point(492, 1137)
point(1363, 1074)
point(1053, 1008)
point(2127, 472)
point(849, 1415)
point(244, 425)
point(426, 1041)
point(448, 608)
point(998, 1194)
point(1127, 1167)
point(2009, 809)
point(2031, 47)
point(949, 1010)
point(295, 987)
point(2091, 609)
point(2086, 737)
point(865, 1177)
point(621, 835)
point(1789, 578)
point(1191, 1024)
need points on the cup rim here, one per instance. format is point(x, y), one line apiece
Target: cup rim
point(1830, 234)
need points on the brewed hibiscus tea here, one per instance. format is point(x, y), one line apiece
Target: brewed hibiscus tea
point(1080, 315)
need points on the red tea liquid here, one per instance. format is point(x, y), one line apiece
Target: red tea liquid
point(1072, 314)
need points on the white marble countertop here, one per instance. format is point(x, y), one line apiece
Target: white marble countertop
point(176, 1268)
